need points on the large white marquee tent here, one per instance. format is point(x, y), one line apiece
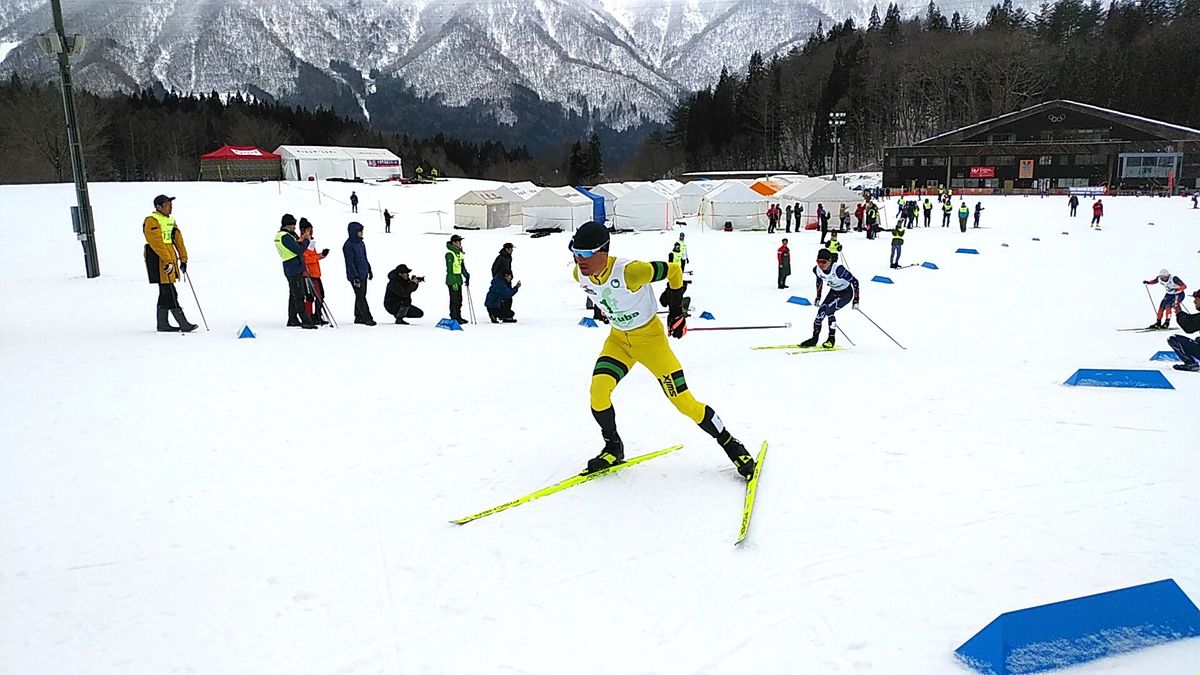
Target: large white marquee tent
point(735, 203)
point(646, 207)
point(481, 210)
point(689, 195)
point(814, 191)
point(319, 162)
point(561, 207)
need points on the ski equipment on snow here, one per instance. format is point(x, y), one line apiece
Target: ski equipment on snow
point(751, 490)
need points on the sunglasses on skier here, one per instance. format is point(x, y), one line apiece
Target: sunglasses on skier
point(587, 253)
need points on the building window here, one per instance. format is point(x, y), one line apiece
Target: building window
point(1000, 160)
point(966, 160)
point(1046, 160)
point(933, 161)
point(1090, 160)
point(891, 161)
point(908, 161)
point(1147, 165)
point(1002, 138)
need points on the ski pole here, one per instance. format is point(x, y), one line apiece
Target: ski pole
point(1151, 299)
point(843, 332)
point(188, 277)
point(325, 311)
point(786, 325)
point(470, 303)
point(881, 330)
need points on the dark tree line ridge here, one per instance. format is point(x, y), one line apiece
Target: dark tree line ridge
point(900, 81)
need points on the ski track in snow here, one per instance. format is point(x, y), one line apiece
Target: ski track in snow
point(208, 504)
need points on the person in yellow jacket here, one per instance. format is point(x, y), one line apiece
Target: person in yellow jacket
point(621, 287)
point(166, 262)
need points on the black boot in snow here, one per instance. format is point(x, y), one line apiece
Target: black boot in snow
point(812, 341)
point(612, 454)
point(184, 326)
point(831, 341)
point(164, 325)
point(740, 457)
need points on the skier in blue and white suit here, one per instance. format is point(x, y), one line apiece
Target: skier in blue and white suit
point(843, 290)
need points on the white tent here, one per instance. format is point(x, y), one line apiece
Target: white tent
point(670, 184)
point(611, 193)
point(561, 207)
point(647, 207)
point(809, 193)
point(688, 196)
point(516, 194)
point(481, 210)
point(734, 203)
point(319, 162)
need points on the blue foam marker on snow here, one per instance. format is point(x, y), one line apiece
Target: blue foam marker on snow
point(1076, 631)
point(971, 250)
point(929, 266)
point(245, 332)
point(707, 315)
point(1165, 356)
point(797, 300)
point(1125, 379)
point(882, 280)
point(587, 322)
point(449, 324)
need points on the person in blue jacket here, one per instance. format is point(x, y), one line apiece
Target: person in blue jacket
point(358, 272)
point(499, 299)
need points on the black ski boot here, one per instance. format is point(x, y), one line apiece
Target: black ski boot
point(184, 325)
point(1166, 325)
point(740, 457)
point(612, 454)
point(1187, 367)
point(831, 341)
point(164, 325)
point(812, 341)
point(1157, 325)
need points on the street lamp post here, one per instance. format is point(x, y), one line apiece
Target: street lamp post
point(64, 47)
point(837, 120)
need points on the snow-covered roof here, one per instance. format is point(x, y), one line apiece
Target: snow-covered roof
point(333, 152)
point(1083, 107)
point(481, 197)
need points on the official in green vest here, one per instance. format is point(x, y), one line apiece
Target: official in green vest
point(963, 214)
point(683, 257)
point(166, 261)
point(834, 246)
point(291, 250)
point(457, 276)
point(947, 209)
point(897, 243)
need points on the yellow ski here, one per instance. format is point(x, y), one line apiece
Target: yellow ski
point(751, 489)
point(568, 483)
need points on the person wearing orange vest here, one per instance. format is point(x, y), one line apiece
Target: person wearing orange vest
point(166, 261)
point(291, 250)
point(314, 296)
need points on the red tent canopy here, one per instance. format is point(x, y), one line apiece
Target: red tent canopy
point(235, 152)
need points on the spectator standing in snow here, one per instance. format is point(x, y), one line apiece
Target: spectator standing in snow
point(927, 207)
point(503, 263)
point(397, 298)
point(978, 211)
point(1097, 213)
point(457, 276)
point(860, 212)
point(358, 272)
point(843, 218)
point(823, 220)
point(166, 261)
point(787, 212)
point(897, 244)
point(387, 222)
point(291, 251)
point(963, 213)
point(314, 289)
point(353, 202)
point(1073, 202)
point(500, 298)
point(784, 258)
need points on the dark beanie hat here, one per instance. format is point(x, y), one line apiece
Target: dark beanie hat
point(288, 219)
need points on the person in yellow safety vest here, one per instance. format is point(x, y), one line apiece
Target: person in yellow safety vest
point(457, 276)
point(420, 175)
point(897, 244)
point(927, 207)
point(963, 213)
point(433, 174)
point(683, 257)
point(834, 247)
point(946, 210)
point(166, 261)
point(291, 251)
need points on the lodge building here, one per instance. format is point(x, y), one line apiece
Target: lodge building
point(1052, 146)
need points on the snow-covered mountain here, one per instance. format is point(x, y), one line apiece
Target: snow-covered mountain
point(620, 61)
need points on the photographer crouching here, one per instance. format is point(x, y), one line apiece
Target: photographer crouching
point(397, 299)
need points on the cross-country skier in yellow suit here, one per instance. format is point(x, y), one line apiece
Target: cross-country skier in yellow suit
point(621, 288)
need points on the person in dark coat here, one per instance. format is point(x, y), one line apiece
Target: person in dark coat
point(1073, 202)
point(291, 250)
point(358, 272)
point(503, 263)
point(397, 299)
point(387, 222)
point(823, 218)
point(353, 202)
point(784, 258)
point(499, 299)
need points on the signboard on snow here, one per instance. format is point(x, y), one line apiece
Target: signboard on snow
point(383, 162)
point(1089, 191)
point(1026, 170)
point(983, 172)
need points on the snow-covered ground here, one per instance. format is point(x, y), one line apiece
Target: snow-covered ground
point(202, 504)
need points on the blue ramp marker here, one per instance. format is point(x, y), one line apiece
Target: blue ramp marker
point(707, 315)
point(245, 333)
point(1129, 379)
point(1076, 631)
point(929, 266)
point(587, 322)
point(1165, 356)
point(882, 280)
point(967, 250)
point(797, 300)
point(449, 324)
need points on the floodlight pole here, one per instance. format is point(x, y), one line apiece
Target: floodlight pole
point(837, 120)
point(64, 47)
